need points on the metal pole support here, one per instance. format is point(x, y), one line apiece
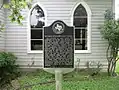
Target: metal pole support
point(58, 79)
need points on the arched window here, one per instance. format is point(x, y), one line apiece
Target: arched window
point(37, 21)
point(81, 22)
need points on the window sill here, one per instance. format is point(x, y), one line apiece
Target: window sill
point(39, 51)
point(76, 51)
point(82, 51)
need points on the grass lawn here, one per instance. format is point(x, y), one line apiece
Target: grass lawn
point(41, 80)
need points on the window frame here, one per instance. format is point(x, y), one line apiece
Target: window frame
point(89, 14)
point(29, 29)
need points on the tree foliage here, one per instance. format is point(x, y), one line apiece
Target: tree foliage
point(110, 32)
point(15, 7)
point(8, 68)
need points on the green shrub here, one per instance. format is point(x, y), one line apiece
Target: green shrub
point(8, 69)
point(110, 32)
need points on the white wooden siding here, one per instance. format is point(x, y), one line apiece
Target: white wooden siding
point(2, 38)
point(16, 36)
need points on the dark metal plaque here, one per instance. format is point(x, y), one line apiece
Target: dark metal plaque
point(58, 46)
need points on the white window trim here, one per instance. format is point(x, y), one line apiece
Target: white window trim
point(113, 4)
point(29, 29)
point(88, 10)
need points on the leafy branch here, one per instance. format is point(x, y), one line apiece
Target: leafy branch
point(1, 26)
point(15, 7)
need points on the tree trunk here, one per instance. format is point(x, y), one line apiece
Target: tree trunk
point(111, 60)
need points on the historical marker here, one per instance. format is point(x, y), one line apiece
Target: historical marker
point(58, 46)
